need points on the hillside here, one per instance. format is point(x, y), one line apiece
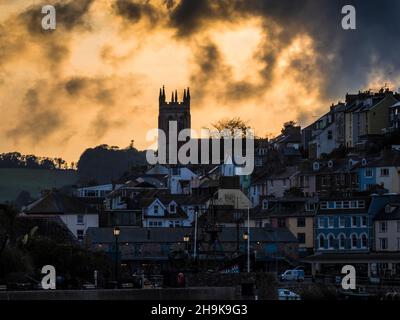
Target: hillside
point(15, 180)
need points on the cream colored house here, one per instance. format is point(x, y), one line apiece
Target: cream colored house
point(387, 228)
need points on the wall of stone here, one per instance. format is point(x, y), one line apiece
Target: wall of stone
point(224, 293)
point(265, 284)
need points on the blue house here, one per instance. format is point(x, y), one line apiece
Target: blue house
point(346, 224)
point(343, 224)
point(383, 172)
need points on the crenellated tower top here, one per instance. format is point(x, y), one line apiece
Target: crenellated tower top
point(174, 102)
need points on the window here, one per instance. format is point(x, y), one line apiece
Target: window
point(301, 237)
point(329, 134)
point(265, 204)
point(342, 241)
point(310, 207)
point(155, 223)
point(346, 204)
point(177, 224)
point(361, 204)
point(301, 222)
point(79, 234)
point(353, 241)
point(383, 226)
point(398, 243)
point(364, 241)
point(172, 208)
point(156, 209)
point(383, 243)
point(354, 221)
point(368, 173)
point(281, 222)
point(363, 221)
point(321, 223)
point(321, 241)
point(398, 226)
point(331, 241)
point(79, 219)
point(384, 172)
point(338, 204)
point(342, 222)
point(324, 205)
point(331, 222)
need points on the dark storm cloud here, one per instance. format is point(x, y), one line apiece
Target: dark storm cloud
point(353, 53)
point(103, 94)
point(210, 68)
point(70, 14)
point(37, 122)
point(75, 86)
point(134, 10)
point(21, 32)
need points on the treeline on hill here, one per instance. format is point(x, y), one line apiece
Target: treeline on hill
point(103, 163)
point(18, 160)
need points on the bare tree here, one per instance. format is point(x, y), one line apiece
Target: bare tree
point(232, 126)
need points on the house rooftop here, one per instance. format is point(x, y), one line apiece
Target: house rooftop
point(55, 202)
point(175, 235)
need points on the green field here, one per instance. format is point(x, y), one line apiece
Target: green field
point(13, 181)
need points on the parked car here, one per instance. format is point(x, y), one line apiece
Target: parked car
point(292, 275)
point(285, 294)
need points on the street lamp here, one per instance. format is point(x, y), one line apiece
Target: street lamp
point(116, 232)
point(186, 239)
point(247, 238)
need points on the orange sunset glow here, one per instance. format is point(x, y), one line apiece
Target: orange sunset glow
point(95, 79)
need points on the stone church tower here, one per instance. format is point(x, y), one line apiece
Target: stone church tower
point(174, 111)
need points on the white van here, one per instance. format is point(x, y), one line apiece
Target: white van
point(292, 275)
point(284, 294)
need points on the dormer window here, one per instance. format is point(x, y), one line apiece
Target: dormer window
point(330, 164)
point(316, 166)
point(172, 208)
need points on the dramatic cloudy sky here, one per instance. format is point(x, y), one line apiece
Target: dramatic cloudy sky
point(96, 78)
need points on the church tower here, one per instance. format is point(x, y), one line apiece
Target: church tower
point(174, 110)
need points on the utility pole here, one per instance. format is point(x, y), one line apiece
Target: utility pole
point(248, 239)
point(195, 236)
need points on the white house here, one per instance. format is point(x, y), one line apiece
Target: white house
point(155, 213)
point(279, 182)
point(180, 180)
point(98, 191)
point(74, 213)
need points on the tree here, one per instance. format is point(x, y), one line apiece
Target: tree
point(104, 163)
point(232, 126)
point(287, 126)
